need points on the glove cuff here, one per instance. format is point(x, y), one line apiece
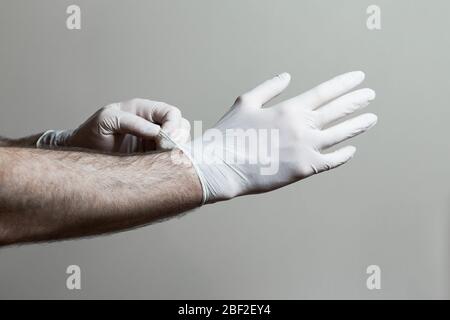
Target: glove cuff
point(186, 149)
point(53, 139)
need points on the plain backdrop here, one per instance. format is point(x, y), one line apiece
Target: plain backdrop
point(314, 239)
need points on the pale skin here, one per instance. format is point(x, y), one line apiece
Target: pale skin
point(51, 195)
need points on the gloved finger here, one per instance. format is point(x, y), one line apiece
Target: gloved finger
point(163, 114)
point(135, 125)
point(168, 116)
point(336, 158)
point(266, 91)
point(347, 130)
point(183, 134)
point(328, 90)
point(343, 106)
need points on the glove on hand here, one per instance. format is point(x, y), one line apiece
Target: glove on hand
point(124, 127)
point(298, 132)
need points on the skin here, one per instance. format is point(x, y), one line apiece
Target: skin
point(52, 195)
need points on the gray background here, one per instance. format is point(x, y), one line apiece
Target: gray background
point(313, 239)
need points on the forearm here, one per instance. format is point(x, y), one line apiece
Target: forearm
point(50, 195)
point(26, 142)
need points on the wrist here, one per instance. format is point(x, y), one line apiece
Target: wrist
point(182, 155)
point(220, 180)
point(182, 163)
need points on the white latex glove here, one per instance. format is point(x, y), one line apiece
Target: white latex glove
point(300, 123)
point(124, 127)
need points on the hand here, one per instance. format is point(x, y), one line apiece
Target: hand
point(297, 128)
point(125, 127)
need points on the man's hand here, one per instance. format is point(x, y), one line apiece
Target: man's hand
point(125, 127)
point(300, 124)
point(48, 195)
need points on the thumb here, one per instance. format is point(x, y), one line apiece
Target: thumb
point(129, 123)
point(268, 90)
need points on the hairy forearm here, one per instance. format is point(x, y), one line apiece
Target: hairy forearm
point(51, 195)
point(26, 142)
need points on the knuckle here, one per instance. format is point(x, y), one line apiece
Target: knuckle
point(175, 111)
point(138, 100)
point(167, 107)
point(187, 124)
point(160, 104)
point(108, 110)
point(133, 101)
point(304, 170)
point(312, 166)
point(326, 165)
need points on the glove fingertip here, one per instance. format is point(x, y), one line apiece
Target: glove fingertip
point(152, 129)
point(285, 76)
